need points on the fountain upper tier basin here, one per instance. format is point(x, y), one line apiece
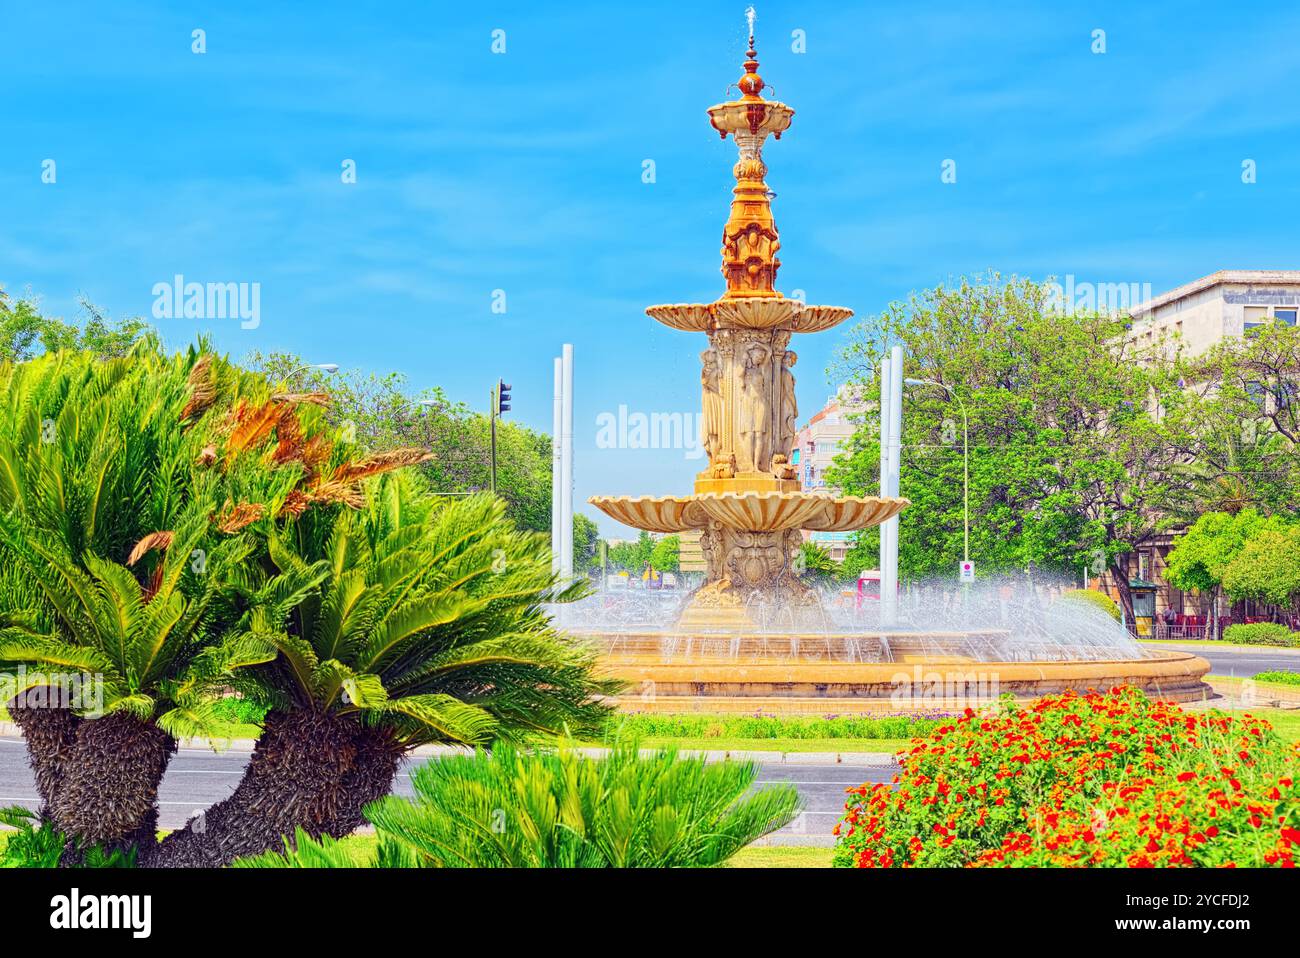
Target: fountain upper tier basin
point(750, 511)
point(749, 312)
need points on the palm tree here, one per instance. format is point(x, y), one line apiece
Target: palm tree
point(429, 627)
point(133, 495)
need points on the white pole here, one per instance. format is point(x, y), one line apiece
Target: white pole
point(890, 561)
point(566, 468)
point(887, 587)
point(557, 428)
point(896, 422)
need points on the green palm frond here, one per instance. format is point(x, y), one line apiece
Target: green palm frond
point(441, 718)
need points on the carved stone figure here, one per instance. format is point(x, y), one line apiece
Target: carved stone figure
point(782, 468)
point(789, 405)
point(756, 405)
point(711, 389)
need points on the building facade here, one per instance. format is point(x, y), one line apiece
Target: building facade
point(1225, 304)
point(817, 444)
point(1200, 314)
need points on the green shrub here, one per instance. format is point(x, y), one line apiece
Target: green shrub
point(1094, 598)
point(33, 845)
point(1261, 633)
point(563, 810)
point(240, 711)
point(1279, 677)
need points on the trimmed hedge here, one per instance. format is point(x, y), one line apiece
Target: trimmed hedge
point(1262, 633)
point(1094, 598)
point(1279, 677)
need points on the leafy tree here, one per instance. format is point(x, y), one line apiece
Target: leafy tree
point(863, 555)
point(586, 543)
point(666, 554)
point(1201, 556)
point(1077, 435)
point(380, 414)
point(1250, 417)
point(634, 556)
point(23, 328)
point(1267, 568)
point(564, 810)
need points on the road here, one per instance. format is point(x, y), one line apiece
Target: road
point(196, 778)
point(1240, 663)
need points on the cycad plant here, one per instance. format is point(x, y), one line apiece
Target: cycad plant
point(135, 498)
point(415, 620)
point(512, 809)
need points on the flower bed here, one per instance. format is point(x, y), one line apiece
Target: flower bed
point(1102, 779)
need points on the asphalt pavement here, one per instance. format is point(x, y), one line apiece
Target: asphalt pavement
point(196, 778)
point(1240, 663)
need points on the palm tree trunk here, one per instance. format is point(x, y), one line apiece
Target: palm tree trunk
point(370, 779)
point(50, 731)
point(111, 773)
point(309, 770)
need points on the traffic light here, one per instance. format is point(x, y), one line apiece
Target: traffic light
point(503, 396)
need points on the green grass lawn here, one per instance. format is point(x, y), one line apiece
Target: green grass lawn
point(781, 856)
point(362, 849)
point(789, 745)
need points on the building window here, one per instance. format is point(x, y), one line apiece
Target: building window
point(1255, 317)
point(1144, 565)
point(1285, 316)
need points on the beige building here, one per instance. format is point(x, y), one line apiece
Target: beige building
point(1223, 305)
point(817, 444)
point(1228, 303)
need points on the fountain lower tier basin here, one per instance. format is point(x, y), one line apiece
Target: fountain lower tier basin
point(937, 679)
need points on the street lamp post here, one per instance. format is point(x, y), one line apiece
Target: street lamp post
point(965, 457)
point(323, 367)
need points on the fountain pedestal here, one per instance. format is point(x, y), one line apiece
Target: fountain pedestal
point(748, 503)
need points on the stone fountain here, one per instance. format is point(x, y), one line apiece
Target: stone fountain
point(748, 504)
point(713, 655)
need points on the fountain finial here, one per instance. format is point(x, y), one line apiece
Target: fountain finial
point(751, 84)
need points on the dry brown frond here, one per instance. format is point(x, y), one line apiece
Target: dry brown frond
point(347, 493)
point(380, 462)
point(315, 453)
point(154, 540)
point(292, 399)
point(240, 516)
point(295, 504)
point(155, 582)
point(253, 426)
point(289, 445)
point(203, 388)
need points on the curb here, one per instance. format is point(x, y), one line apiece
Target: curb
point(1191, 646)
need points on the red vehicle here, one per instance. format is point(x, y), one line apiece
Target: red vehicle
point(868, 587)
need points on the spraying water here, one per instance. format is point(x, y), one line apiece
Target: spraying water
point(1012, 620)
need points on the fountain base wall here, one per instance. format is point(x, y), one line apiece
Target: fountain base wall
point(758, 677)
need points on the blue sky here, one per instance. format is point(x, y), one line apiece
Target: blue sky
point(522, 172)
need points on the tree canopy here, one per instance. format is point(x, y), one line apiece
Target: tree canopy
point(1085, 443)
point(379, 413)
